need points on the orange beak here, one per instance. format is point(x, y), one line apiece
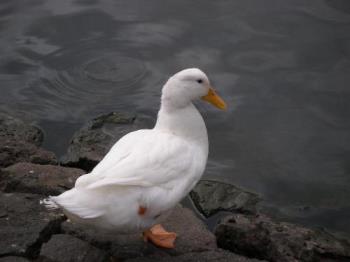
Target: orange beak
point(214, 99)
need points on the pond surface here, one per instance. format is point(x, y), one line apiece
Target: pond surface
point(282, 66)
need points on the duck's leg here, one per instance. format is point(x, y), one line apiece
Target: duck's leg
point(159, 236)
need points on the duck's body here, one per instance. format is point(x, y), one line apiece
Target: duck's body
point(147, 172)
point(135, 174)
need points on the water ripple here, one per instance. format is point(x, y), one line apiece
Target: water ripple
point(93, 82)
point(118, 69)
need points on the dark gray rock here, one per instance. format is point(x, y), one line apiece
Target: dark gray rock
point(211, 197)
point(13, 259)
point(25, 224)
point(90, 144)
point(19, 143)
point(12, 152)
point(192, 237)
point(206, 256)
point(258, 236)
point(66, 248)
point(16, 130)
point(38, 179)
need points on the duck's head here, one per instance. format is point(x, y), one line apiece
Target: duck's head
point(189, 85)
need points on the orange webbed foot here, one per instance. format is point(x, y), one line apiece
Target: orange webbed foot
point(160, 237)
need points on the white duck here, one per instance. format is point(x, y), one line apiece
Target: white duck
point(147, 172)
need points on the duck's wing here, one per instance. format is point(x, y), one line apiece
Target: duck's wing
point(143, 158)
point(121, 150)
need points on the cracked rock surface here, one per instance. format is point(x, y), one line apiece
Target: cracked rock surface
point(25, 224)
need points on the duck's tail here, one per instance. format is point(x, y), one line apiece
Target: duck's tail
point(49, 203)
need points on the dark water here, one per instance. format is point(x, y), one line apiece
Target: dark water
point(282, 66)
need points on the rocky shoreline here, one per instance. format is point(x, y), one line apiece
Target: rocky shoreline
point(30, 233)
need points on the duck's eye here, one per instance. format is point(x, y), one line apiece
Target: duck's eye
point(199, 81)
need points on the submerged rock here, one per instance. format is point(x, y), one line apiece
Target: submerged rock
point(25, 225)
point(211, 197)
point(91, 143)
point(38, 179)
point(260, 237)
point(19, 143)
point(66, 248)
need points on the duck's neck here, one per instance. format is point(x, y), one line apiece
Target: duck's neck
point(185, 122)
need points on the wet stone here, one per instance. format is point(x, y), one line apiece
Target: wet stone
point(91, 143)
point(12, 152)
point(25, 224)
point(19, 142)
point(259, 236)
point(206, 256)
point(16, 130)
point(192, 236)
point(66, 248)
point(38, 179)
point(13, 259)
point(211, 197)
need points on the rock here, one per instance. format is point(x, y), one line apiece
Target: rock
point(25, 224)
point(192, 237)
point(16, 130)
point(38, 179)
point(258, 236)
point(211, 197)
point(206, 256)
point(66, 248)
point(13, 259)
point(12, 152)
point(19, 143)
point(90, 144)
